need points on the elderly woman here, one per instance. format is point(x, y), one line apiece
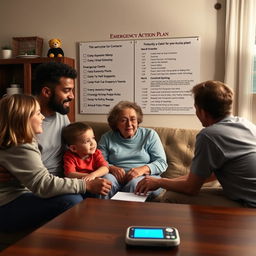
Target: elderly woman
point(131, 151)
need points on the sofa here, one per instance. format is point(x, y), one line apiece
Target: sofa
point(179, 145)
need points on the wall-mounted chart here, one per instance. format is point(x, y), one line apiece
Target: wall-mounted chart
point(165, 72)
point(106, 75)
point(158, 74)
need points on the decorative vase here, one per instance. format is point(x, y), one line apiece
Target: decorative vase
point(6, 53)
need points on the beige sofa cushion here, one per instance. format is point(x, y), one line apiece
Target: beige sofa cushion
point(179, 145)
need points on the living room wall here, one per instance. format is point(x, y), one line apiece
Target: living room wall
point(94, 20)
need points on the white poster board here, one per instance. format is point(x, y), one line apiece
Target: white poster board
point(106, 75)
point(165, 72)
point(158, 74)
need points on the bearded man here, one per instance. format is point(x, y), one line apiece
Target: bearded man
point(54, 89)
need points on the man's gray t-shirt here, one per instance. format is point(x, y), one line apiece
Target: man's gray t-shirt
point(228, 148)
point(50, 143)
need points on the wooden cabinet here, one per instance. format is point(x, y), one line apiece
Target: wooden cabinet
point(22, 71)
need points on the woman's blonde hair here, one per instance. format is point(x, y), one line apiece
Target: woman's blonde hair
point(15, 112)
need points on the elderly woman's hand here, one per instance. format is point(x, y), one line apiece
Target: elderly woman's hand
point(118, 172)
point(136, 172)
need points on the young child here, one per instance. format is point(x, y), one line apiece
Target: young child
point(83, 159)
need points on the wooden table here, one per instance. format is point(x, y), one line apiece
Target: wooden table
point(97, 227)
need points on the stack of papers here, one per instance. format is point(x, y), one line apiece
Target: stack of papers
point(126, 196)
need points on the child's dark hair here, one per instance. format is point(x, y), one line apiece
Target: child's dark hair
point(72, 132)
point(49, 74)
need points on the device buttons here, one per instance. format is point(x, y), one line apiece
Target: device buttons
point(170, 233)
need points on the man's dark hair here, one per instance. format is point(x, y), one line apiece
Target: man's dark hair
point(214, 97)
point(49, 74)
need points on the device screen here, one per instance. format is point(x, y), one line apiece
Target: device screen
point(156, 233)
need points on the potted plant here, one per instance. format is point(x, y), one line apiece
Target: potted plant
point(6, 52)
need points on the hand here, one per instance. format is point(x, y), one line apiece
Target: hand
point(134, 173)
point(98, 186)
point(118, 172)
point(89, 177)
point(5, 175)
point(147, 184)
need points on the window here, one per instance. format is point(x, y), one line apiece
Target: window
point(254, 75)
point(254, 71)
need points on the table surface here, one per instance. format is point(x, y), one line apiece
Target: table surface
point(97, 227)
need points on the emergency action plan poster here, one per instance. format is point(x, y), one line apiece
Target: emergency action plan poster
point(158, 74)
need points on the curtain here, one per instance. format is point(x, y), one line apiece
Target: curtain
point(239, 47)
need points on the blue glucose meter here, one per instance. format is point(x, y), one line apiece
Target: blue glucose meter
point(152, 236)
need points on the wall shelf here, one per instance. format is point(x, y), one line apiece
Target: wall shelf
point(22, 71)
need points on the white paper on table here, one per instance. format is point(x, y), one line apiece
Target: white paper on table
point(126, 196)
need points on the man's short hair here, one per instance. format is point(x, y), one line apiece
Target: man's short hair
point(49, 74)
point(214, 97)
point(71, 133)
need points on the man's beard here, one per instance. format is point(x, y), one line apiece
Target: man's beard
point(58, 107)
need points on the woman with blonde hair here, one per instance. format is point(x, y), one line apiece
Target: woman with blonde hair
point(32, 196)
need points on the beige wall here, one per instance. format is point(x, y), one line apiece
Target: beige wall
point(94, 20)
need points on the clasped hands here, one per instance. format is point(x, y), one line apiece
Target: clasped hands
point(147, 184)
point(123, 177)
